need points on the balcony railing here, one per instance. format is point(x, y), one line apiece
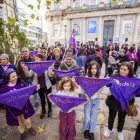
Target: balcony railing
point(89, 8)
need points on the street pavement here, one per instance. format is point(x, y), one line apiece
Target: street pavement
point(48, 128)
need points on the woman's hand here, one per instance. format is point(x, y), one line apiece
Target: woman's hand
point(116, 81)
point(38, 87)
point(82, 69)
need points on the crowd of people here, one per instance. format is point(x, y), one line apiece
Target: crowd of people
point(119, 61)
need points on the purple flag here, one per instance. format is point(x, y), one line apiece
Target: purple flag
point(66, 73)
point(39, 67)
point(91, 85)
point(66, 103)
point(72, 42)
point(130, 86)
point(33, 53)
point(18, 98)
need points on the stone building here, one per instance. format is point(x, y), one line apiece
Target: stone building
point(7, 9)
point(94, 20)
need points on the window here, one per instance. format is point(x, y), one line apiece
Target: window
point(92, 2)
point(56, 6)
point(56, 30)
point(127, 27)
point(77, 29)
point(76, 4)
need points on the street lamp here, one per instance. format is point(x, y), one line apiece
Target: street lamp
point(65, 36)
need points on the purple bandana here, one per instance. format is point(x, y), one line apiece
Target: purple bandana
point(33, 53)
point(39, 67)
point(91, 85)
point(130, 86)
point(66, 103)
point(66, 73)
point(18, 98)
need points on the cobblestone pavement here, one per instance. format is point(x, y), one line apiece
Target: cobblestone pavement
point(47, 128)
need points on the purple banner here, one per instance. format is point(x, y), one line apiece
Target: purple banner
point(91, 85)
point(66, 103)
point(66, 73)
point(130, 86)
point(33, 53)
point(39, 67)
point(18, 98)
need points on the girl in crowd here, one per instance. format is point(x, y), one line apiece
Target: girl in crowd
point(125, 70)
point(14, 116)
point(92, 107)
point(45, 85)
point(67, 121)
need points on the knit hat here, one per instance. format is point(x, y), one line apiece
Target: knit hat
point(69, 55)
point(4, 56)
point(8, 71)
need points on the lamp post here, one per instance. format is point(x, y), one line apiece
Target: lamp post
point(65, 36)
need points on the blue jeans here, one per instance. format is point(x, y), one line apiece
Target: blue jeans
point(36, 98)
point(91, 110)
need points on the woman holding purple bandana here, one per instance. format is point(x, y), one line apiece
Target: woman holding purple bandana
point(44, 84)
point(14, 116)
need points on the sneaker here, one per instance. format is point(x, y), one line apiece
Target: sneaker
point(36, 105)
point(120, 136)
point(86, 134)
point(91, 136)
point(42, 115)
point(32, 131)
point(107, 133)
point(23, 136)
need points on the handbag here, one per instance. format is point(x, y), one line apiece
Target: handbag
point(131, 110)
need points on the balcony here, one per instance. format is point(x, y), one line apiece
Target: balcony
point(90, 8)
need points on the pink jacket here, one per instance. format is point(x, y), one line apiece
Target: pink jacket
point(132, 56)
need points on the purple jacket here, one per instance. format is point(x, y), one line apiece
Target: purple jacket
point(12, 113)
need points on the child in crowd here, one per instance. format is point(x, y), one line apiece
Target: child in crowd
point(67, 121)
point(91, 108)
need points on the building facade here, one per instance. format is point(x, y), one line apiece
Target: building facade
point(7, 9)
point(34, 29)
point(94, 20)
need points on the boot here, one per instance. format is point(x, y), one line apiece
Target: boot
point(86, 134)
point(32, 131)
point(49, 113)
point(23, 136)
point(42, 114)
point(91, 136)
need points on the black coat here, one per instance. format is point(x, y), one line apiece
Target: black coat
point(123, 58)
